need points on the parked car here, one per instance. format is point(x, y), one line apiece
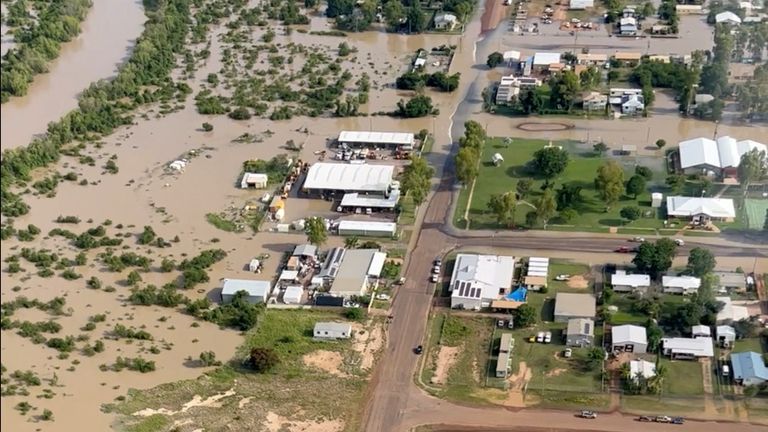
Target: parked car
point(623, 249)
point(547, 337)
point(438, 262)
point(436, 269)
point(663, 419)
point(679, 242)
point(500, 323)
point(588, 414)
point(419, 349)
point(678, 420)
point(562, 277)
point(568, 353)
point(638, 239)
point(511, 324)
point(726, 371)
point(645, 419)
point(540, 337)
point(434, 278)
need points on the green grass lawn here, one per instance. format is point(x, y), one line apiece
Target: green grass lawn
point(407, 211)
point(581, 170)
point(683, 379)
point(558, 267)
point(749, 344)
point(755, 210)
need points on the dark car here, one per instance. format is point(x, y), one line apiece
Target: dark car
point(623, 249)
point(645, 419)
point(678, 420)
point(419, 349)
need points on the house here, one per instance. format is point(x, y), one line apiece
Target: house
point(478, 280)
point(749, 368)
point(356, 270)
point(730, 312)
point(701, 331)
point(581, 4)
point(570, 305)
point(257, 290)
point(293, 294)
point(632, 104)
point(687, 348)
point(510, 86)
point(727, 17)
point(700, 210)
point(580, 332)
point(726, 335)
point(628, 57)
point(660, 29)
point(641, 369)
point(628, 26)
point(329, 178)
point(680, 284)
point(719, 157)
point(660, 58)
point(305, 251)
point(623, 282)
point(731, 281)
point(332, 331)
point(591, 59)
point(542, 60)
point(594, 101)
point(688, 9)
point(506, 345)
point(618, 92)
point(629, 338)
point(254, 180)
point(445, 21)
point(536, 274)
point(511, 57)
point(370, 139)
point(362, 228)
point(628, 12)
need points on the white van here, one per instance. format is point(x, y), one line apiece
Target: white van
point(726, 371)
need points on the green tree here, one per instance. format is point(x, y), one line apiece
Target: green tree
point(526, 316)
point(495, 59)
point(655, 258)
point(466, 165)
point(418, 106)
point(660, 143)
point(753, 167)
point(568, 214)
point(415, 180)
point(263, 359)
point(207, 127)
point(630, 213)
point(568, 195)
point(316, 232)
point(546, 207)
point(503, 207)
point(610, 182)
point(208, 358)
point(339, 7)
point(549, 162)
point(635, 185)
point(523, 187)
point(675, 182)
point(394, 14)
point(600, 148)
point(644, 172)
point(564, 89)
point(133, 278)
point(416, 21)
point(700, 261)
point(596, 357)
point(351, 242)
point(147, 236)
point(355, 313)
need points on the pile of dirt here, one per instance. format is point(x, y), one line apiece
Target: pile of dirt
point(578, 281)
point(327, 361)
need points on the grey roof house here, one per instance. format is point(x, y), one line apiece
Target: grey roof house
point(570, 305)
point(580, 332)
point(629, 338)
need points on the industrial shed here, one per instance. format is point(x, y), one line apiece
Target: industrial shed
point(333, 177)
point(367, 228)
point(392, 140)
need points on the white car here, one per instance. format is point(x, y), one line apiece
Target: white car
point(562, 277)
point(435, 277)
point(436, 269)
point(679, 242)
point(568, 353)
point(548, 337)
point(540, 337)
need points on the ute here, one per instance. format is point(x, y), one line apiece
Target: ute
point(588, 414)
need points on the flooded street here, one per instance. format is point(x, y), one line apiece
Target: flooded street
point(107, 36)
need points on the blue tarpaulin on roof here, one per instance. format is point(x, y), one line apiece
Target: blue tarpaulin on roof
point(518, 295)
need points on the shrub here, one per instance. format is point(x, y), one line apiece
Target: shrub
point(263, 359)
point(207, 127)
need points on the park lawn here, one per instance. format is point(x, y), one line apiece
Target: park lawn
point(581, 169)
point(558, 267)
point(748, 344)
point(683, 378)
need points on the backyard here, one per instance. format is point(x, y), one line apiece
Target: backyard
point(591, 214)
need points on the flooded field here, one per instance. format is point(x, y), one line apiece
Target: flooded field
point(107, 36)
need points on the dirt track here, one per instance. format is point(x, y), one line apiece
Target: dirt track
point(493, 14)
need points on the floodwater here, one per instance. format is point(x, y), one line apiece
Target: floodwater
point(106, 39)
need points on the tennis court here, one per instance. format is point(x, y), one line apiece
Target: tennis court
point(755, 210)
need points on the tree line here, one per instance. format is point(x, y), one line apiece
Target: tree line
point(399, 15)
point(103, 105)
point(38, 41)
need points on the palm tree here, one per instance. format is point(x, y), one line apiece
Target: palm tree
point(656, 383)
point(351, 242)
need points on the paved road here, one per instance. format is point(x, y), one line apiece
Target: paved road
point(394, 402)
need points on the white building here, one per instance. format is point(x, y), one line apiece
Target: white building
point(542, 60)
point(357, 269)
point(510, 87)
point(293, 294)
point(537, 273)
point(730, 312)
point(367, 228)
point(628, 26)
point(629, 338)
point(721, 156)
point(632, 104)
point(402, 140)
point(700, 210)
point(680, 284)
point(641, 369)
point(331, 177)
point(623, 282)
point(257, 290)
point(727, 17)
point(477, 280)
point(332, 330)
point(726, 335)
point(254, 180)
point(581, 4)
point(701, 331)
point(688, 348)
point(445, 21)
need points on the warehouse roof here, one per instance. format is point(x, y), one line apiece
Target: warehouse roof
point(254, 288)
point(724, 153)
point(362, 177)
point(546, 58)
point(373, 201)
point(367, 137)
point(692, 206)
point(362, 225)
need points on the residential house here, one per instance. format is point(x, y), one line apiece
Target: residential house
point(332, 331)
point(581, 4)
point(305, 251)
point(700, 210)
point(683, 9)
point(749, 368)
point(506, 345)
point(358, 269)
point(580, 332)
point(623, 282)
point(726, 335)
point(591, 59)
point(511, 57)
point(730, 312)
point(629, 338)
point(719, 157)
point(594, 101)
point(543, 60)
point(478, 280)
point(510, 87)
point(727, 17)
point(257, 291)
point(632, 104)
point(701, 331)
point(628, 58)
point(687, 348)
point(642, 369)
point(731, 281)
point(445, 21)
point(628, 12)
point(571, 305)
point(628, 26)
point(659, 29)
point(680, 284)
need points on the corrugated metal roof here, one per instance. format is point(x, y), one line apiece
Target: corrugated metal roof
point(633, 280)
point(367, 137)
point(358, 225)
point(748, 365)
point(699, 347)
point(546, 58)
point(685, 282)
point(628, 333)
point(692, 206)
point(362, 177)
point(254, 288)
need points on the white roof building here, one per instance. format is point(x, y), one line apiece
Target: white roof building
point(349, 177)
point(293, 294)
point(725, 152)
point(581, 4)
point(546, 58)
point(511, 55)
point(680, 284)
point(720, 208)
point(256, 180)
point(377, 138)
point(356, 269)
point(688, 347)
point(727, 17)
point(701, 330)
point(730, 312)
point(481, 277)
point(634, 281)
point(628, 333)
point(725, 333)
point(257, 290)
point(642, 368)
point(367, 228)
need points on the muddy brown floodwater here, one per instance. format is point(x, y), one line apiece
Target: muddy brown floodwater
point(108, 34)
